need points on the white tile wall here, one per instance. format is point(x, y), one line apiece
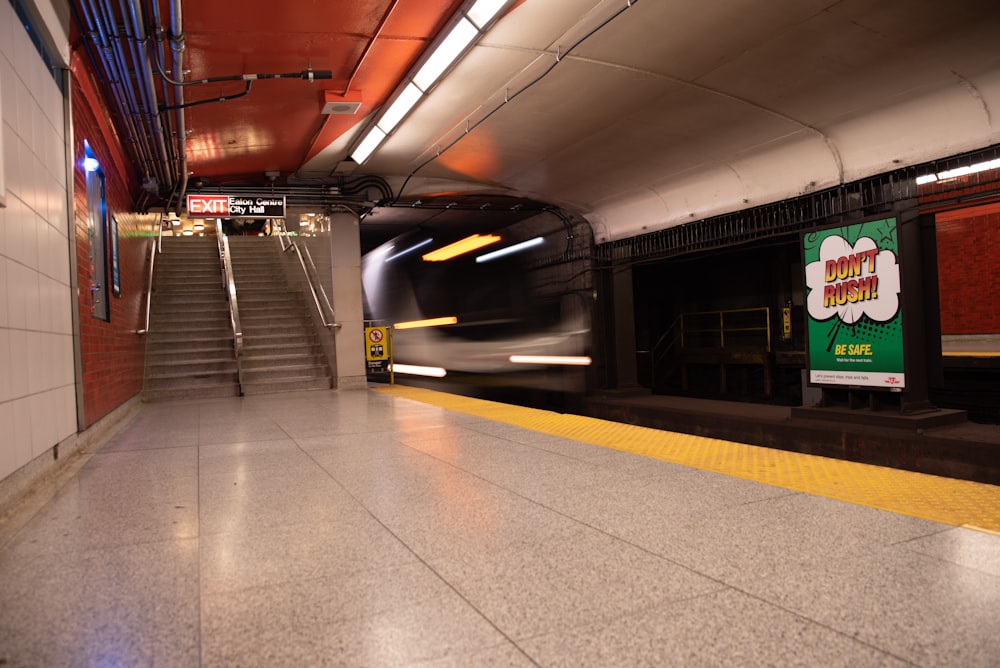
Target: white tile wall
point(37, 393)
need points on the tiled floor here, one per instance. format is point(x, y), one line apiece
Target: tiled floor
point(361, 529)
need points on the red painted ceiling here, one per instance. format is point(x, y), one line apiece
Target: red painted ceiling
point(638, 115)
point(278, 125)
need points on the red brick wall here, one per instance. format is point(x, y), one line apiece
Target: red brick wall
point(113, 354)
point(968, 243)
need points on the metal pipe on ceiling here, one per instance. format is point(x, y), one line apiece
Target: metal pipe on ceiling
point(94, 28)
point(177, 47)
point(115, 54)
point(136, 107)
point(144, 71)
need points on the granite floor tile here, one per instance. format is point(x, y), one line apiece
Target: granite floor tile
point(777, 536)
point(344, 543)
point(562, 584)
point(78, 520)
point(922, 609)
point(133, 605)
point(966, 547)
point(354, 528)
point(721, 628)
point(440, 627)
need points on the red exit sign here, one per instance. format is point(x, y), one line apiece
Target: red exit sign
point(208, 206)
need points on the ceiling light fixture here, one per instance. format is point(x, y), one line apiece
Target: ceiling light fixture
point(472, 22)
point(959, 171)
point(461, 247)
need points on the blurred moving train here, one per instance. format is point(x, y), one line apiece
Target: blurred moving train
point(486, 313)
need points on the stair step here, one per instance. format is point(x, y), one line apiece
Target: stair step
point(188, 393)
point(253, 362)
point(288, 385)
point(278, 340)
point(182, 365)
point(155, 357)
point(252, 375)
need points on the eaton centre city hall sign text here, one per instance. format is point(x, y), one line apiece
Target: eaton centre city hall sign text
point(227, 206)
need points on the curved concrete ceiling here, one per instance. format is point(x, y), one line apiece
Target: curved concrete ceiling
point(639, 115)
point(677, 111)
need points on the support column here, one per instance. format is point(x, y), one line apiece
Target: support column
point(345, 241)
point(915, 396)
point(617, 313)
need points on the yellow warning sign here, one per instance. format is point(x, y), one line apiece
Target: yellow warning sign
point(376, 344)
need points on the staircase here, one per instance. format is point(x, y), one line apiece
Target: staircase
point(189, 347)
point(281, 352)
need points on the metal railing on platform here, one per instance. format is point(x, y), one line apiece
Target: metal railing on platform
point(734, 336)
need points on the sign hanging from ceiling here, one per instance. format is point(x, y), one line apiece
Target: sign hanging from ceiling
point(227, 206)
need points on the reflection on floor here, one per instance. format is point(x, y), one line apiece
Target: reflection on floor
point(363, 529)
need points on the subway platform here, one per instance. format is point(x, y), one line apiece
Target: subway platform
point(398, 526)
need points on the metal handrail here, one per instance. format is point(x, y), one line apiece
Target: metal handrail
point(677, 330)
point(287, 243)
point(156, 247)
point(322, 290)
point(229, 285)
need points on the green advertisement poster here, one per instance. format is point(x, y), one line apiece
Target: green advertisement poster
point(853, 312)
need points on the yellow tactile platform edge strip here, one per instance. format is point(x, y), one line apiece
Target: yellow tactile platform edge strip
point(946, 500)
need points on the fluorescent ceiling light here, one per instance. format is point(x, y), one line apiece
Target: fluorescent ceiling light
point(959, 171)
point(971, 169)
point(510, 250)
point(432, 371)
point(409, 97)
point(429, 322)
point(446, 53)
point(466, 245)
point(408, 250)
point(568, 360)
point(483, 11)
point(368, 144)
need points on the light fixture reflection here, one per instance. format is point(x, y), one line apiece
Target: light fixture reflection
point(566, 360)
point(461, 247)
point(429, 322)
point(408, 250)
point(510, 250)
point(432, 371)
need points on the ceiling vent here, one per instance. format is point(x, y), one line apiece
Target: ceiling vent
point(341, 104)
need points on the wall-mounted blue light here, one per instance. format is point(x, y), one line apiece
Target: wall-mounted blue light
point(90, 163)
